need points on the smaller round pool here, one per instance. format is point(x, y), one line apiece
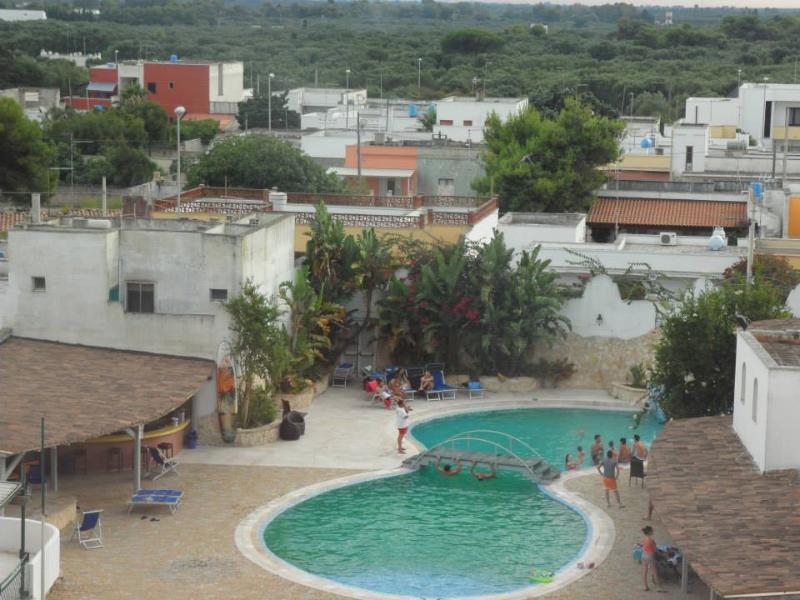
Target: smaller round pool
point(427, 535)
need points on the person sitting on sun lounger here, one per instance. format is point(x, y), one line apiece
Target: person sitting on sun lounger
point(426, 382)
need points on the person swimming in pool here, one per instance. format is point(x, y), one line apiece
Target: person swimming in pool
point(448, 468)
point(481, 476)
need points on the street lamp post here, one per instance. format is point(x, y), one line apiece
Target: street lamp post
point(347, 99)
point(419, 74)
point(269, 101)
point(179, 112)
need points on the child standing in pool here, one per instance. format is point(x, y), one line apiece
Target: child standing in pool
point(581, 456)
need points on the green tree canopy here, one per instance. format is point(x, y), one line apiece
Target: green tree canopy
point(24, 155)
point(696, 355)
point(548, 165)
point(261, 161)
point(255, 113)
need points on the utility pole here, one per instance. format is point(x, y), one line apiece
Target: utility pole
point(750, 233)
point(71, 170)
point(785, 143)
point(358, 146)
point(269, 103)
point(419, 74)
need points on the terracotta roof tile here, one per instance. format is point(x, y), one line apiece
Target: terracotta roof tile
point(739, 529)
point(85, 392)
point(9, 218)
point(668, 213)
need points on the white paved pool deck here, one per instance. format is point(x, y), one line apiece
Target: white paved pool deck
point(344, 431)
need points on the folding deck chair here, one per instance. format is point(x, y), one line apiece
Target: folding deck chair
point(342, 374)
point(89, 531)
point(162, 462)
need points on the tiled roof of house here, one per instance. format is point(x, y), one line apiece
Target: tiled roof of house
point(10, 218)
point(780, 338)
point(667, 213)
point(85, 392)
point(738, 528)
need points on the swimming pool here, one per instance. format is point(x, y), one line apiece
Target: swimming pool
point(426, 535)
point(552, 432)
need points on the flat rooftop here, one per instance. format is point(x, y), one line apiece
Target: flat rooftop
point(739, 528)
point(531, 218)
point(486, 100)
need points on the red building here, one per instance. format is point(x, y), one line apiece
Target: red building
point(205, 89)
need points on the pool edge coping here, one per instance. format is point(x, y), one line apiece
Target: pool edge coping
point(596, 548)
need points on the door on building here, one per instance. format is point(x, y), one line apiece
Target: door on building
point(391, 186)
point(361, 352)
point(446, 187)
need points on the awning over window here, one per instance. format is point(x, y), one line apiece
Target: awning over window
point(102, 86)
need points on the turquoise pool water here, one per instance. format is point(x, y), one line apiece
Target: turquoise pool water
point(430, 536)
point(553, 432)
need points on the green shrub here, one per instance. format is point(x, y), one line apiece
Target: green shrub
point(552, 372)
point(262, 408)
point(638, 375)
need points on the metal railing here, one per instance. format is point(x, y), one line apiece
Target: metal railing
point(13, 586)
point(477, 436)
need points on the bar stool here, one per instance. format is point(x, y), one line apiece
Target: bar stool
point(79, 456)
point(114, 458)
point(166, 448)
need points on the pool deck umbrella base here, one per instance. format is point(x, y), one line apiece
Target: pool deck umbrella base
point(86, 392)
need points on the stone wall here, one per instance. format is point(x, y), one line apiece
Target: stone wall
point(600, 362)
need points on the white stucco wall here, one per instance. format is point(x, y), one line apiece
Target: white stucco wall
point(783, 441)
point(751, 357)
point(10, 542)
point(232, 82)
point(792, 302)
point(81, 267)
point(519, 235)
point(459, 110)
point(620, 319)
point(713, 111)
point(683, 137)
point(483, 230)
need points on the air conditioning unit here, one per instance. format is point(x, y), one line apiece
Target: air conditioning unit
point(668, 238)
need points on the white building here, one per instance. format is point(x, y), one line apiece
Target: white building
point(22, 15)
point(760, 110)
point(145, 285)
point(311, 99)
point(462, 119)
point(680, 262)
point(765, 407)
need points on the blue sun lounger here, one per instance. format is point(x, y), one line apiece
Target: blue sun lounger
point(152, 497)
point(441, 390)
